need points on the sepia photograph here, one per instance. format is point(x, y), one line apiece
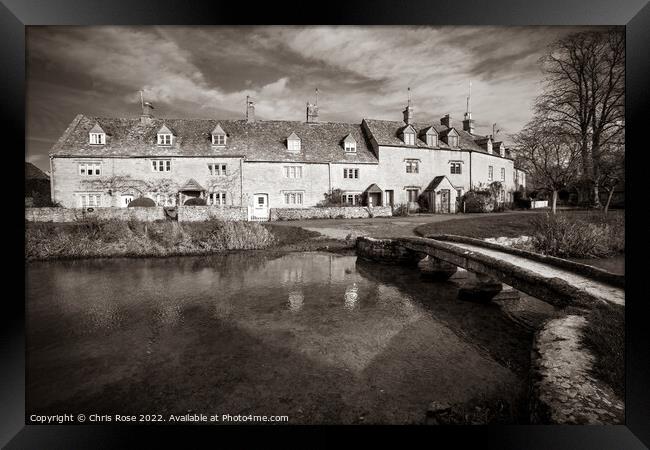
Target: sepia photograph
point(312, 225)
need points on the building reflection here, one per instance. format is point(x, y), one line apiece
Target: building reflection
point(351, 296)
point(296, 299)
point(292, 275)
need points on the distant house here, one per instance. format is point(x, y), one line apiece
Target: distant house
point(37, 186)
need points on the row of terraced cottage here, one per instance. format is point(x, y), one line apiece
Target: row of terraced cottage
point(263, 164)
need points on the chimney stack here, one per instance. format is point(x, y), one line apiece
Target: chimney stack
point(312, 111)
point(147, 113)
point(408, 111)
point(446, 121)
point(250, 110)
point(468, 123)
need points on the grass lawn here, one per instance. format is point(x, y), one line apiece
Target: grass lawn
point(508, 225)
point(604, 336)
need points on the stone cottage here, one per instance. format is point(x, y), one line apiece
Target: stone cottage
point(262, 164)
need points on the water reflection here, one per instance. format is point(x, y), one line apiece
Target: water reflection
point(195, 333)
point(351, 296)
point(296, 298)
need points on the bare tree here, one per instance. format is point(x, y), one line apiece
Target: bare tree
point(125, 183)
point(612, 171)
point(584, 94)
point(549, 155)
point(228, 183)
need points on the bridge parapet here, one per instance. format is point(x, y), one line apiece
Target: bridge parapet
point(555, 291)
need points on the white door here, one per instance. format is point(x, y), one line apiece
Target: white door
point(261, 206)
point(125, 200)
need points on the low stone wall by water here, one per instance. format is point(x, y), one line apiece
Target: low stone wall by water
point(200, 213)
point(562, 390)
point(76, 214)
point(203, 213)
point(335, 212)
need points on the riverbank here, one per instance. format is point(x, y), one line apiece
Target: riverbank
point(114, 238)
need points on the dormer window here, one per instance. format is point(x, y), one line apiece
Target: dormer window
point(350, 144)
point(452, 138)
point(293, 143)
point(430, 137)
point(218, 136)
point(97, 138)
point(165, 136)
point(164, 139)
point(408, 135)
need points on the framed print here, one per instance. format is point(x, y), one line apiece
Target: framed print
point(368, 218)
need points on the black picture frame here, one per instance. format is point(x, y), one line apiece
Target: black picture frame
point(15, 15)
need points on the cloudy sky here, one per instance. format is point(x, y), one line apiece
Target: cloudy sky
point(206, 72)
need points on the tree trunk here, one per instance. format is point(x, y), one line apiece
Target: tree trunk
point(554, 207)
point(609, 199)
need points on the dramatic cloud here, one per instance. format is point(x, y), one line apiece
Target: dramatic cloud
point(208, 72)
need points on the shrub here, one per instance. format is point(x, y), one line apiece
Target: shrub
point(570, 237)
point(478, 202)
point(195, 201)
point(334, 198)
point(523, 203)
point(423, 202)
point(401, 209)
point(142, 202)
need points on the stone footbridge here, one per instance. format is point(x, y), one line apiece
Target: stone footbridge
point(556, 281)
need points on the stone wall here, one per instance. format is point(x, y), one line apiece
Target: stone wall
point(339, 212)
point(387, 251)
point(75, 214)
point(203, 213)
point(185, 214)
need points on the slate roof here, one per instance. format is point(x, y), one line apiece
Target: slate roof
point(34, 173)
point(191, 185)
point(262, 140)
point(373, 188)
point(435, 182)
point(386, 132)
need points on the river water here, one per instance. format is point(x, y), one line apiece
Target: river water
point(321, 338)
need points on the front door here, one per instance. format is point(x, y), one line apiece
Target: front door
point(261, 206)
point(390, 196)
point(125, 200)
point(374, 199)
point(444, 200)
